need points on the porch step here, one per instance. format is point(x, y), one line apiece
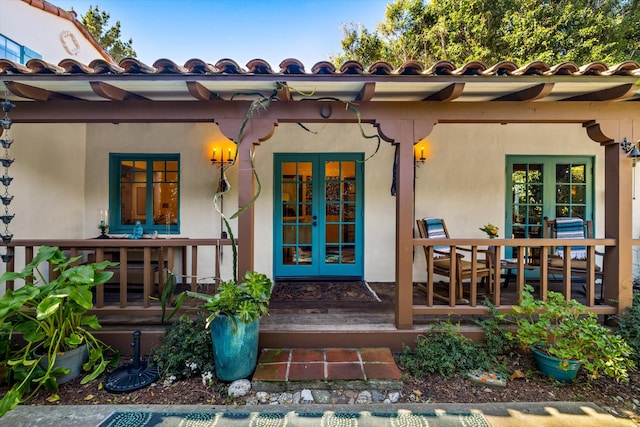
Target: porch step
point(283, 369)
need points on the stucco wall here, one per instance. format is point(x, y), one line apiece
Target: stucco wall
point(44, 33)
point(59, 184)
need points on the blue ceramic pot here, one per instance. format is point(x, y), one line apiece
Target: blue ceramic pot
point(562, 370)
point(235, 347)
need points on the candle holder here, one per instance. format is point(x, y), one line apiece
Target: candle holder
point(103, 223)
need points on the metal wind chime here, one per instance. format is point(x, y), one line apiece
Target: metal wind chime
point(5, 180)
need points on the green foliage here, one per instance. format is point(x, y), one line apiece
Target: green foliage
point(444, 351)
point(629, 327)
point(522, 31)
point(247, 301)
point(186, 349)
point(51, 315)
point(562, 329)
point(96, 22)
point(498, 341)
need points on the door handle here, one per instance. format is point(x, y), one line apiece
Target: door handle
point(314, 223)
point(314, 217)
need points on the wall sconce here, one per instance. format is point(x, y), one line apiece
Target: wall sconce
point(420, 153)
point(223, 153)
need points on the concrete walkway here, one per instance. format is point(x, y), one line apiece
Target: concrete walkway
point(556, 414)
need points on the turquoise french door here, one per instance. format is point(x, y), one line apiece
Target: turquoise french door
point(318, 228)
point(546, 186)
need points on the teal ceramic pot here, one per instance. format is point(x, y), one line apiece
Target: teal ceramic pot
point(235, 347)
point(556, 368)
point(72, 359)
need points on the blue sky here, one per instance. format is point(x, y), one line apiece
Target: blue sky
point(273, 30)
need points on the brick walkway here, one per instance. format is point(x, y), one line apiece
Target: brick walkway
point(356, 369)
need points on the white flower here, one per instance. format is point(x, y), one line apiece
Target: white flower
point(207, 378)
point(169, 380)
point(193, 366)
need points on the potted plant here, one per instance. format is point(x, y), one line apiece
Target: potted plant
point(234, 320)
point(51, 316)
point(564, 337)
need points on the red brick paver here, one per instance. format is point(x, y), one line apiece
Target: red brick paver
point(329, 364)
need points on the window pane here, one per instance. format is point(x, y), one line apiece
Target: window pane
point(577, 173)
point(151, 198)
point(578, 194)
point(562, 173)
point(165, 204)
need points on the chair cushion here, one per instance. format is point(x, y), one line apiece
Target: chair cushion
point(571, 228)
point(445, 264)
point(575, 264)
point(435, 230)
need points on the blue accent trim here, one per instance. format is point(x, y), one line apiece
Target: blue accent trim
point(318, 265)
point(116, 225)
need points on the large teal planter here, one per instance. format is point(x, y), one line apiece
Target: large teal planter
point(556, 368)
point(235, 347)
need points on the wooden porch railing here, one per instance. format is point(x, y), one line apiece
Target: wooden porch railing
point(521, 247)
point(158, 257)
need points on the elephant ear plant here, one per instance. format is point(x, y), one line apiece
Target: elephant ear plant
point(50, 314)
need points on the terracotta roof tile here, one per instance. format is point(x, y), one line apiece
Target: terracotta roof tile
point(229, 66)
point(100, 66)
point(292, 66)
point(502, 68)
point(7, 66)
point(166, 66)
point(562, 69)
point(473, 68)
point(72, 66)
point(259, 66)
point(623, 69)
point(326, 67)
point(198, 66)
point(38, 66)
point(409, 68)
point(535, 68)
point(380, 68)
point(441, 68)
point(133, 66)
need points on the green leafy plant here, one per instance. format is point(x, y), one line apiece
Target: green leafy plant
point(629, 327)
point(185, 351)
point(444, 351)
point(247, 301)
point(50, 314)
point(562, 329)
point(498, 341)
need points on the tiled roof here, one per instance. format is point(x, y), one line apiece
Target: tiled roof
point(292, 66)
point(198, 80)
point(70, 16)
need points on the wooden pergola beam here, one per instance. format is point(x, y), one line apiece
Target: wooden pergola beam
point(530, 94)
point(618, 92)
point(37, 94)
point(449, 93)
point(105, 90)
point(201, 93)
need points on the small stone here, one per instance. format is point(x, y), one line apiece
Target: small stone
point(306, 396)
point(262, 396)
point(387, 401)
point(321, 396)
point(636, 401)
point(274, 397)
point(487, 390)
point(377, 397)
point(394, 396)
point(285, 398)
point(296, 398)
point(239, 388)
point(251, 401)
point(351, 394)
point(338, 398)
point(364, 397)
